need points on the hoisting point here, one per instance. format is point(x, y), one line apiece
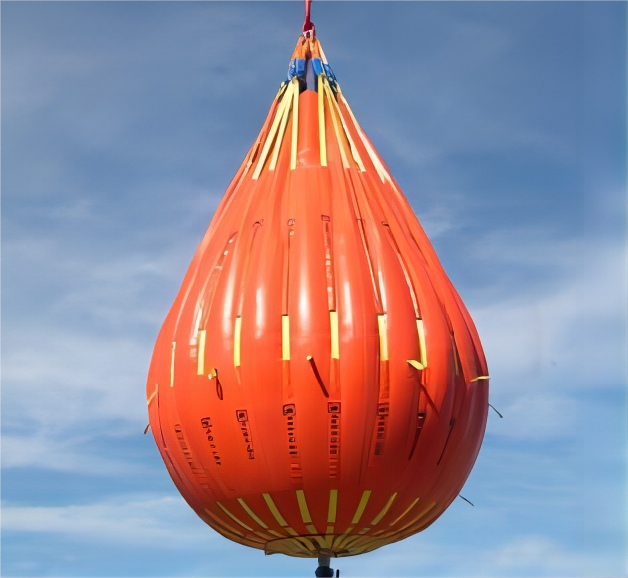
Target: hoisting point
point(308, 25)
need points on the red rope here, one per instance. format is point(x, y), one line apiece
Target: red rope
point(307, 24)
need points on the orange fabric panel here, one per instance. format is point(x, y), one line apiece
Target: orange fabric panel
point(280, 392)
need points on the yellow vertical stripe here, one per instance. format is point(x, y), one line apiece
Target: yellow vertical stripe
point(290, 547)
point(361, 506)
point(200, 353)
point(305, 513)
point(379, 516)
point(354, 150)
point(223, 524)
point(333, 322)
point(341, 146)
point(383, 337)
point(282, 128)
point(381, 171)
point(273, 510)
point(321, 122)
point(370, 545)
point(295, 123)
point(174, 346)
point(237, 332)
point(333, 505)
point(341, 541)
point(307, 542)
point(285, 337)
point(404, 513)
point(422, 349)
point(417, 518)
point(251, 513)
point(234, 518)
point(285, 103)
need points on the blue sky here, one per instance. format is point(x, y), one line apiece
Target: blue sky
point(122, 125)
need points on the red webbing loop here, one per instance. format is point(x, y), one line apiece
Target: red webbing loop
point(307, 24)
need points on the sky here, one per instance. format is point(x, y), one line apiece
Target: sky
point(122, 125)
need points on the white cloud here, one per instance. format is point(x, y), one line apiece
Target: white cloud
point(568, 337)
point(126, 520)
point(62, 453)
point(522, 555)
point(541, 556)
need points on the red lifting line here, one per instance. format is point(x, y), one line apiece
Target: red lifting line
point(307, 24)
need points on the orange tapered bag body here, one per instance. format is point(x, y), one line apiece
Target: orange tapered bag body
point(318, 386)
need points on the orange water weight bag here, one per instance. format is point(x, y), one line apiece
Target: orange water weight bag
point(318, 386)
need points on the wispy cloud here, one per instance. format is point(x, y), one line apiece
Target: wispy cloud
point(566, 327)
point(132, 520)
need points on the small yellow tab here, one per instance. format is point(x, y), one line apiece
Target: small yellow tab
point(174, 346)
point(481, 377)
point(237, 331)
point(383, 337)
point(361, 506)
point(335, 346)
point(422, 349)
point(285, 337)
point(200, 354)
point(414, 363)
